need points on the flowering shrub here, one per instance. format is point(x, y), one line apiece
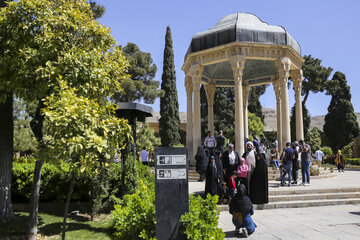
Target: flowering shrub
point(134, 217)
point(201, 222)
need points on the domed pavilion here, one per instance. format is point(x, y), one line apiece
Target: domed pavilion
point(242, 51)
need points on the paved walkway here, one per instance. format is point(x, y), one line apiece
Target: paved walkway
point(323, 223)
point(328, 222)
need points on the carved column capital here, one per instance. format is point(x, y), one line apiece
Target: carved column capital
point(196, 71)
point(283, 68)
point(188, 85)
point(210, 92)
point(276, 86)
point(246, 91)
point(237, 63)
point(296, 76)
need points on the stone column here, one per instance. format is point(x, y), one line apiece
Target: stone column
point(246, 90)
point(196, 73)
point(210, 92)
point(276, 85)
point(283, 70)
point(189, 119)
point(237, 64)
point(296, 76)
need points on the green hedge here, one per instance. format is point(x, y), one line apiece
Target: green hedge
point(55, 182)
point(201, 222)
point(353, 161)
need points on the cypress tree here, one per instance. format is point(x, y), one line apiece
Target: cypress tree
point(341, 125)
point(254, 101)
point(169, 122)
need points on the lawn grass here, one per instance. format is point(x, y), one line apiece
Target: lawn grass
point(78, 227)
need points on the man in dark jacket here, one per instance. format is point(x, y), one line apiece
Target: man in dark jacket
point(286, 158)
point(231, 161)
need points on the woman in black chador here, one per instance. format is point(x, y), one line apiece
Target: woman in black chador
point(202, 160)
point(259, 193)
point(213, 178)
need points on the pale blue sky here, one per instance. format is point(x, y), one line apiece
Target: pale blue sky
point(326, 29)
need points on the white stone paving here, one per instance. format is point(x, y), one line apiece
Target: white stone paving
point(328, 222)
point(323, 223)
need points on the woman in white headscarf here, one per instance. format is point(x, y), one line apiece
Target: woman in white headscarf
point(249, 156)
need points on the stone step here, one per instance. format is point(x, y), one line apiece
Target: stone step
point(305, 190)
point(301, 204)
point(318, 196)
point(270, 178)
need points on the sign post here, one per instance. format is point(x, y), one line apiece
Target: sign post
point(171, 191)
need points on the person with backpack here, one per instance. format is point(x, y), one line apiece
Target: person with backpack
point(220, 143)
point(287, 157)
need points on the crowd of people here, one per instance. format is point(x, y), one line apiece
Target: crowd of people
point(242, 178)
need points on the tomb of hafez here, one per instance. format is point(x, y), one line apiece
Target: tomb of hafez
point(241, 51)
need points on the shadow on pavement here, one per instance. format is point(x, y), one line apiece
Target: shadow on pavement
point(355, 213)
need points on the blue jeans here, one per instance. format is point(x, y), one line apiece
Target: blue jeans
point(305, 171)
point(232, 192)
point(287, 168)
point(247, 223)
point(276, 163)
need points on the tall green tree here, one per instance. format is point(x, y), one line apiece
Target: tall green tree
point(64, 40)
point(256, 126)
point(224, 113)
point(314, 138)
point(141, 84)
point(315, 76)
point(6, 145)
point(97, 9)
point(83, 130)
point(224, 110)
point(169, 122)
point(146, 137)
point(254, 101)
point(306, 123)
point(341, 125)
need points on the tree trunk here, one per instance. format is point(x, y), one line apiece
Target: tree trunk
point(306, 97)
point(6, 153)
point(36, 126)
point(34, 202)
point(68, 203)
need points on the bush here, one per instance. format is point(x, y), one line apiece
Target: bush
point(54, 183)
point(201, 222)
point(327, 151)
point(22, 159)
point(134, 217)
point(348, 149)
point(353, 161)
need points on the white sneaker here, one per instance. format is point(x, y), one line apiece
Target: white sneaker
point(307, 184)
point(245, 233)
point(302, 184)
